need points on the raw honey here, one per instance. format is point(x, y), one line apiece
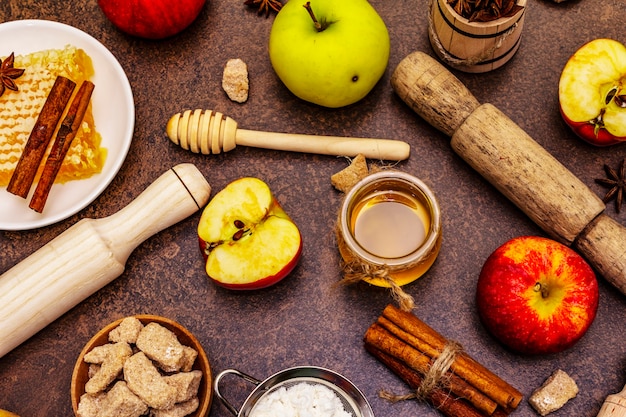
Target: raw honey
point(21, 108)
point(391, 220)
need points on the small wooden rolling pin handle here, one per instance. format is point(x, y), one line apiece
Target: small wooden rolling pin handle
point(496, 147)
point(211, 132)
point(614, 405)
point(90, 254)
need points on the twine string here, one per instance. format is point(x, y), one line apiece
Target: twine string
point(358, 270)
point(446, 56)
point(436, 376)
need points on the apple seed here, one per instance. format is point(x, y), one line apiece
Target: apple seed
point(610, 95)
point(239, 224)
point(613, 95)
point(240, 233)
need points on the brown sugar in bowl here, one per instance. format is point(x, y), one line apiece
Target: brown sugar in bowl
point(205, 393)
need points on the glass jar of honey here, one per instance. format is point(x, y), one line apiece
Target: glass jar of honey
point(390, 222)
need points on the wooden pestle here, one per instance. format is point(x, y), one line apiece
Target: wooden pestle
point(90, 254)
point(614, 405)
point(558, 202)
point(210, 132)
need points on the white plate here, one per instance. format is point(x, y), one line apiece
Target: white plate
point(114, 114)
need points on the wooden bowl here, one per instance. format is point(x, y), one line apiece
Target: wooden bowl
point(185, 337)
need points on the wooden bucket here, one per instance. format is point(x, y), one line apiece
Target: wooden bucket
point(473, 46)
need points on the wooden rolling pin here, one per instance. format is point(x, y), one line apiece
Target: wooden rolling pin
point(90, 254)
point(558, 202)
point(614, 405)
point(210, 132)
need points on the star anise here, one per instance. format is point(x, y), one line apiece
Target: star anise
point(616, 180)
point(264, 6)
point(8, 74)
point(485, 10)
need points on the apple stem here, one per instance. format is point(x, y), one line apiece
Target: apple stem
point(318, 25)
point(543, 289)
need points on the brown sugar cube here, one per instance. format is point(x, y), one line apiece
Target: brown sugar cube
point(179, 410)
point(111, 358)
point(345, 179)
point(101, 353)
point(558, 389)
point(189, 357)
point(235, 80)
point(127, 331)
point(144, 379)
point(120, 401)
point(162, 346)
point(185, 383)
point(89, 404)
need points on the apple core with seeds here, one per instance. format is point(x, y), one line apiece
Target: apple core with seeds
point(592, 92)
point(246, 238)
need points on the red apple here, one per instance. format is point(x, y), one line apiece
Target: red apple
point(151, 19)
point(246, 238)
point(592, 92)
point(536, 296)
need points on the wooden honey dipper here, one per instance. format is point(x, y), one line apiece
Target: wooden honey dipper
point(210, 132)
point(558, 202)
point(614, 405)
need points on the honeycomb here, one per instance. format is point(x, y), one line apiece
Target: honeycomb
point(19, 111)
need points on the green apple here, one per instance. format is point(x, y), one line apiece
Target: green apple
point(247, 240)
point(329, 52)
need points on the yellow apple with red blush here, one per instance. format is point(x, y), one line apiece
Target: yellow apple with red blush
point(536, 296)
point(247, 239)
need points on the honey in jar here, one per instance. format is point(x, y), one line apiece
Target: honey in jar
point(390, 220)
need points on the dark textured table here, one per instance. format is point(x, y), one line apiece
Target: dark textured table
point(305, 319)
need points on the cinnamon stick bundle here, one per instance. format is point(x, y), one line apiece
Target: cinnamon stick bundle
point(376, 336)
point(449, 405)
point(403, 336)
point(65, 135)
point(39, 139)
point(432, 344)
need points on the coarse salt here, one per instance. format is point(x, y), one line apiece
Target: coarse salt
point(300, 400)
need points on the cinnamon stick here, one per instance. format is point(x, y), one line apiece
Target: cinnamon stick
point(37, 143)
point(459, 367)
point(418, 334)
point(447, 404)
point(65, 135)
point(384, 341)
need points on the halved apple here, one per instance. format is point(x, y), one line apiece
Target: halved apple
point(246, 238)
point(592, 92)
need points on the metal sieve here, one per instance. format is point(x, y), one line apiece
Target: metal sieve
point(352, 399)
